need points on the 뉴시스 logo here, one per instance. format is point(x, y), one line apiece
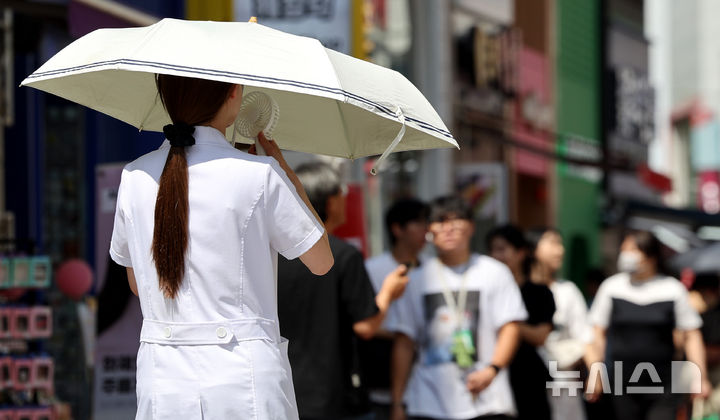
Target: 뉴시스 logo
point(685, 379)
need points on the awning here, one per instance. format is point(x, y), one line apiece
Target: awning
point(85, 16)
point(692, 218)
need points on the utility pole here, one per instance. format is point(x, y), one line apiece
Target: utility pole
point(433, 72)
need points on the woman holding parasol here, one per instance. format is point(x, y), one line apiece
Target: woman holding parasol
point(199, 225)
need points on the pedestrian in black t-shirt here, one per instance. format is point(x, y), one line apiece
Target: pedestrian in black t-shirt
point(528, 373)
point(324, 316)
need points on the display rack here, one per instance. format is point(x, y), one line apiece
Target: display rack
point(26, 371)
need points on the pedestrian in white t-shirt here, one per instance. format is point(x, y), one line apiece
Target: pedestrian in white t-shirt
point(406, 225)
point(199, 225)
point(636, 315)
point(571, 333)
point(461, 311)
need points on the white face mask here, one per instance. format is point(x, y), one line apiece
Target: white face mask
point(629, 262)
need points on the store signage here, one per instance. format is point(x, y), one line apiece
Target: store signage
point(705, 145)
point(536, 112)
point(709, 191)
point(656, 180)
point(534, 116)
point(496, 56)
point(631, 114)
point(326, 20)
point(484, 186)
point(485, 100)
point(534, 87)
point(634, 105)
point(499, 11)
point(583, 149)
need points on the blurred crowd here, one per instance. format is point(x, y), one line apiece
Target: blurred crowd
point(431, 329)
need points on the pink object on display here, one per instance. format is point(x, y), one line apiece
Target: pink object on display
point(12, 294)
point(26, 414)
point(23, 374)
point(20, 323)
point(41, 269)
point(5, 322)
point(74, 278)
point(709, 191)
point(7, 414)
point(43, 414)
point(43, 372)
point(20, 267)
point(6, 372)
point(40, 322)
point(5, 276)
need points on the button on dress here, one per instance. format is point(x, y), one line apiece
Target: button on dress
point(214, 351)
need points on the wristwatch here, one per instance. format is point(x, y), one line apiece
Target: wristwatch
point(496, 368)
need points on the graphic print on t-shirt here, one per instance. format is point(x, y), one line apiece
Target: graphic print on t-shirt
point(444, 327)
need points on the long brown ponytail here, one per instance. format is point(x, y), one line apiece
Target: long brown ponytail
point(189, 102)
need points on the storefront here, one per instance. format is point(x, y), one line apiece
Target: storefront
point(577, 104)
point(533, 125)
point(51, 152)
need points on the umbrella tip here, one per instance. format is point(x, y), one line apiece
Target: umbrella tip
point(253, 19)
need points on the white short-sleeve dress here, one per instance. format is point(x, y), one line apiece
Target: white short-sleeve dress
point(214, 351)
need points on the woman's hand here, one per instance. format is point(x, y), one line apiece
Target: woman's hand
point(593, 393)
point(396, 282)
point(271, 149)
point(705, 390)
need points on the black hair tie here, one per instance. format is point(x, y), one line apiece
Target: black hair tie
point(179, 134)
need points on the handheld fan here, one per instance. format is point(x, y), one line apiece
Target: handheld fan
point(258, 112)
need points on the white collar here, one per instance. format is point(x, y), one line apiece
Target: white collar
point(206, 135)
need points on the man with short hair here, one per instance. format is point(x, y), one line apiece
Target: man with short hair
point(406, 224)
point(461, 310)
point(323, 316)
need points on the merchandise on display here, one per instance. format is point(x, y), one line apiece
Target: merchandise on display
point(24, 272)
point(26, 371)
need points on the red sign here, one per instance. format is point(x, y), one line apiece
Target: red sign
point(533, 113)
point(709, 191)
point(353, 231)
point(653, 179)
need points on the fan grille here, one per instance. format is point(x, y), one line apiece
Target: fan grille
point(259, 112)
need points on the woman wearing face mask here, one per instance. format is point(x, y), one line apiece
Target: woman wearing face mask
point(634, 316)
point(565, 346)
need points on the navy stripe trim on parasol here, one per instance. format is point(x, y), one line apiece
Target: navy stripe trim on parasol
point(264, 79)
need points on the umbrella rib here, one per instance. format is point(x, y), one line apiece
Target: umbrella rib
point(351, 152)
point(149, 111)
point(348, 143)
